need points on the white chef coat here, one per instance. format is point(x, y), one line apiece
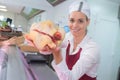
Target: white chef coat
point(87, 63)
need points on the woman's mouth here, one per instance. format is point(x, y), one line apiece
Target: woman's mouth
point(75, 30)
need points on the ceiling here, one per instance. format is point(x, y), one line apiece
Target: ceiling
point(29, 8)
point(18, 5)
point(14, 8)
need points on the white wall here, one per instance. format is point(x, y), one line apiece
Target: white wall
point(37, 18)
point(20, 20)
point(61, 13)
point(6, 14)
point(47, 15)
point(105, 32)
point(116, 57)
point(17, 19)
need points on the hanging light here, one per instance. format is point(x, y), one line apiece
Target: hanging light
point(1, 6)
point(3, 10)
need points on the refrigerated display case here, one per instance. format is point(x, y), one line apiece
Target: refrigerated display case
point(14, 66)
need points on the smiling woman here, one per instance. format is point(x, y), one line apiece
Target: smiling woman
point(104, 24)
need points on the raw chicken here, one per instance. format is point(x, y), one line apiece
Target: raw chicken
point(44, 34)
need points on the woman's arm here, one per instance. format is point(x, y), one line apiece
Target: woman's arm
point(57, 55)
point(87, 62)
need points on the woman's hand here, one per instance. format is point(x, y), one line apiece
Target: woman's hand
point(57, 55)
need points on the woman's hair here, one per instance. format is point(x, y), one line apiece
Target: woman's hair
point(87, 18)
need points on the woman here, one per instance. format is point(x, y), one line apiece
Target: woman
point(79, 59)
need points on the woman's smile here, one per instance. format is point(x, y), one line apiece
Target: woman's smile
point(75, 30)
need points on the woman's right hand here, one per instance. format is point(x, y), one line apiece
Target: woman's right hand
point(57, 55)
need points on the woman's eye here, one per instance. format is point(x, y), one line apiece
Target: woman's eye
point(71, 20)
point(78, 21)
point(81, 21)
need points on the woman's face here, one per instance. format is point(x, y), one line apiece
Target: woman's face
point(78, 23)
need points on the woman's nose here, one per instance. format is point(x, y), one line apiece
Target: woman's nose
point(75, 24)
